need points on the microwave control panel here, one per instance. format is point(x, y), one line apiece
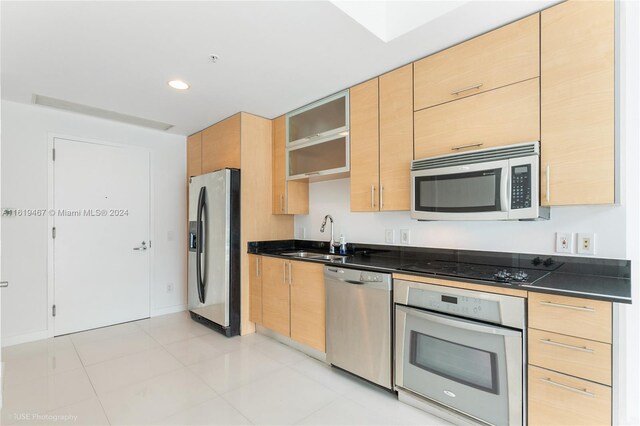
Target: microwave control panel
point(520, 187)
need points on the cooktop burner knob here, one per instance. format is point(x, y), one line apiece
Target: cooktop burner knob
point(503, 276)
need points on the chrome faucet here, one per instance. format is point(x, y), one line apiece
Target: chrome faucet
point(332, 243)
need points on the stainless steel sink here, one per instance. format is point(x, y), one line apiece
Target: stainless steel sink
point(301, 253)
point(313, 256)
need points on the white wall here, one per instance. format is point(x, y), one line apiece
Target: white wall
point(25, 156)
point(332, 197)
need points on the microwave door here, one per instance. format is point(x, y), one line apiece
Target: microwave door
point(465, 192)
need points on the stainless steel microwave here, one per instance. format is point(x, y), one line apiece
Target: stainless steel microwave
point(487, 184)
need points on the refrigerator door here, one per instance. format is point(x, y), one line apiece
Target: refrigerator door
point(209, 247)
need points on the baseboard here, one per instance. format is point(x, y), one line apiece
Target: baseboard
point(25, 338)
point(167, 310)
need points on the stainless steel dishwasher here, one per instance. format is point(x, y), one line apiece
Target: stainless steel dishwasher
point(359, 306)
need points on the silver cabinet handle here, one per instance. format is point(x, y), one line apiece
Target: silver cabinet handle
point(564, 345)
point(282, 203)
point(4, 284)
point(471, 145)
point(312, 173)
point(257, 267)
point(575, 308)
point(548, 173)
point(290, 274)
point(466, 89)
point(284, 273)
point(381, 200)
point(373, 196)
point(569, 388)
point(142, 247)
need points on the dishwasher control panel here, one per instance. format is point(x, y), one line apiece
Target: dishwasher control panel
point(371, 277)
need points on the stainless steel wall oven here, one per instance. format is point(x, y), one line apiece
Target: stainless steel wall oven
point(459, 353)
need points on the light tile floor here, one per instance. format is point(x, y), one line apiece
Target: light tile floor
point(170, 370)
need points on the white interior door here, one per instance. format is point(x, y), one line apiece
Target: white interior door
point(101, 255)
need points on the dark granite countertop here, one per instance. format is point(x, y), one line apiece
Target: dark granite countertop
point(593, 278)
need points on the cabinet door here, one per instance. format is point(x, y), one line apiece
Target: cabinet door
point(255, 289)
point(275, 295)
point(558, 399)
point(221, 145)
point(363, 100)
point(501, 117)
point(396, 138)
point(577, 72)
point(495, 59)
point(308, 304)
point(289, 197)
point(194, 155)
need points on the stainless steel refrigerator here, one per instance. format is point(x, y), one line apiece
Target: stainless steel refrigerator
point(214, 250)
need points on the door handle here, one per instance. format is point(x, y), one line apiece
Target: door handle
point(142, 247)
point(4, 284)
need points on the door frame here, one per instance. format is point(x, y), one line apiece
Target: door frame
point(51, 137)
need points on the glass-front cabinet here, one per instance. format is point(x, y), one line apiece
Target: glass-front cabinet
point(318, 138)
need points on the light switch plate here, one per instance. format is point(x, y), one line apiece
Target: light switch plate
point(564, 242)
point(389, 236)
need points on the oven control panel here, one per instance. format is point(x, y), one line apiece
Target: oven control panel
point(464, 306)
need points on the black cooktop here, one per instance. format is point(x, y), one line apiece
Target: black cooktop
point(501, 274)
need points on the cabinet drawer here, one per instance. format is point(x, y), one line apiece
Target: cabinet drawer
point(558, 399)
point(501, 117)
point(571, 355)
point(589, 319)
point(495, 59)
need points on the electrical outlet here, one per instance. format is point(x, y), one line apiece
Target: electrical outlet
point(564, 242)
point(302, 232)
point(389, 236)
point(586, 243)
point(169, 287)
point(405, 236)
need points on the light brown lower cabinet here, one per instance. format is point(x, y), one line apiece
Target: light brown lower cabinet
point(275, 295)
point(558, 399)
point(293, 299)
point(255, 289)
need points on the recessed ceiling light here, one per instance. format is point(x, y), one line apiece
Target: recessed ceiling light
point(178, 84)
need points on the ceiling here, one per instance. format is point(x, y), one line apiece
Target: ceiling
point(275, 56)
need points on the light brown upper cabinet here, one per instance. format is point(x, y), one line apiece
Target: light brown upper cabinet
point(194, 155)
point(503, 116)
point(221, 145)
point(382, 141)
point(289, 197)
point(504, 56)
point(577, 89)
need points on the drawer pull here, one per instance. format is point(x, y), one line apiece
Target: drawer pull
point(569, 388)
point(564, 345)
point(466, 89)
point(560, 305)
point(471, 145)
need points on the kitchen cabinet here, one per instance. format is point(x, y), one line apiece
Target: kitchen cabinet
point(194, 155)
point(577, 87)
point(500, 117)
point(317, 138)
point(293, 300)
point(275, 295)
point(569, 357)
point(308, 304)
point(221, 145)
point(289, 197)
point(498, 58)
point(255, 289)
point(382, 141)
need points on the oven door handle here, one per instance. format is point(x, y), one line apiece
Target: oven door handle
point(457, 322)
